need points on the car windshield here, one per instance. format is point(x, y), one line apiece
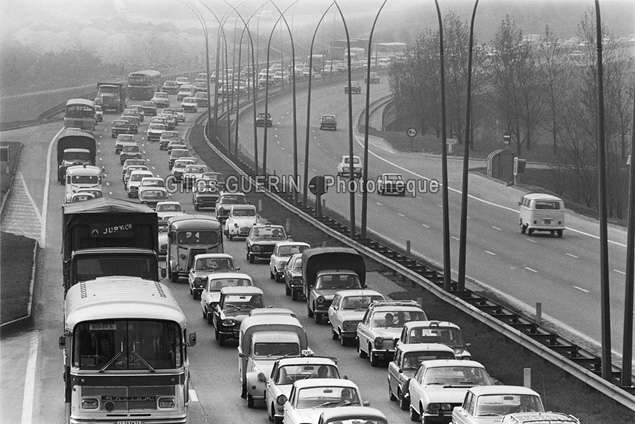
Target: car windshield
point(359, 302)
point(138, 177)
point(326, 397)
point(543, 204)
point(337, 281)
point(218, 283)
point(276, 349)
point(268, 233)
point(196, 169)
point(456, 376)
point(289, 374)
point(169, 208)
point(396, 319)
point(496, 404)
point(234, 200)
point(393, 177)
point(243, 302)
point(448, 336)
point(244, 212)
point(412, 360)
point(154, 194)
point(213, 264)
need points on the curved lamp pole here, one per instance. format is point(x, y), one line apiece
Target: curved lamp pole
point(295, 122)
point(253, 72)
point(305, 181)
point(466, 160)
point(199, 16)
point(351, 175)
point(367, 116)
point(273, 30)
point(447, 271)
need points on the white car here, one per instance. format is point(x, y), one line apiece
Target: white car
point(310, 397)
point(166, 210)
point(135, 181)
point(287, 371)
point(203, 265)
point(181, 81)
point(154, 131)
point(210, 296)
point(444, 332)
point(347, 310)
point(343, 168)
point(185, 91)
point(282, 252)
point(489, 404)
point(161, 99)
point(179, 166)
point(189, 104)
point(192, 173)
point(540, 418)
point(440, 385)
point(240, 219)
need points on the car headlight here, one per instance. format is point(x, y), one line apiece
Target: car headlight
point(378, 343)
point(228, 322)
point(281, 400)
point(256, 248)
point(435, 408)
point(350, 325)
point(166, 403)
point(198, 281)
point(320, 299)
point(90, 403)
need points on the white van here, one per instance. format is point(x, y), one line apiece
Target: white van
point(541, 212)
point(82, 176)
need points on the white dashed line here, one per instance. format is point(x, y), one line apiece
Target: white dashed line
point(533, 241)
point(619, 272)
point(193, 396)
point(581, 289)
point(424, 225)
point(572, 255)
point(530, 269)
point(400, 214)
point(379, 204)
point(490, 253)
point(454, 238)
point(496, 228)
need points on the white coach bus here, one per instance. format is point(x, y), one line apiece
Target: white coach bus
point(125, 352)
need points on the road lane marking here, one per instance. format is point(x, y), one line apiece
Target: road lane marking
point(533, 241)
point(47, 181)
point(424, 225)
point(490, 253)
point(496, 228)
point(572, 255)
point(193, 396)
point(379, 204)
point(400, 214)
point(29, 380)
point(619, 272)
point(454, 237)
point(581, 289)
point(530, 269)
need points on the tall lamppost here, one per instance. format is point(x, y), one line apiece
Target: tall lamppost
point(305, 181)
point(253, 73)
point(351, 175)
point(367, 116)
point(466, 160)
point(447, 271)
point(273, 30)
point(295, 122)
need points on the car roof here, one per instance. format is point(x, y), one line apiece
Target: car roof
point(325, 382)
point(430, 324)
point(169, 202)
point(541, 196)
point(213, 256)
point(292, 243)
point(502, 390)
point(309, 360)
point(357, 292)
point(238, 290)
point(442, 363)
point(425, 347)
point(272, 311)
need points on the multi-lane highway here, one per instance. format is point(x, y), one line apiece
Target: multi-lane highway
point(561, 273)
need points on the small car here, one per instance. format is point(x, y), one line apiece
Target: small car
point(176, 143)
point(263, 119)
point(170, 120)
point(293, 277)
point(192, 173)
point(170, 111)
point(152, 182)
point(132, 112)
point(130, 152)
point(166, 210)
point(99, 113)
point(180, 114)
point(184, 91)
point(154, 131)
point(181, 81)
point(152, 196)
point(126, 177)
point(178, 169)
point(310, 397)
point(444, 332)
point(282, 252)
point(189, 104)
point(287, 371)
point(382, 324)
point(343, 168)
point(240, 220)
point(203, 265)
point(233, 307)
point(262, 239)
point(403, 367)
point(201, 98)
point(355, 88)
point(374, 78)
point(541, 212)
point(122, 126)
point(214, 282)
point(200, 87)
point(347, 310)
point(489, 404)
point(201, 77)
point(149, 108)
point(328, 122)
point(138, 108)
point(132, 186)
point(440, 385)
point(131, 162)
point(391, 183)
point(124, 140)
point(166, 137)
point(205, 194)
point(224, 202)
point(177, 154)
point(328, 282)
point(170, 87)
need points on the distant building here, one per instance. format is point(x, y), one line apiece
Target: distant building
point(390, 49)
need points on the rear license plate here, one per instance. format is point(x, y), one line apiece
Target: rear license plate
point(546, 221)
point(128, 422)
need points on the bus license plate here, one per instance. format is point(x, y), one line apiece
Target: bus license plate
point(128, 422)
point(546, 221)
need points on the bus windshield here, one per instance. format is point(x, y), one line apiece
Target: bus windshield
point(85, 179)
point(198, 237)
point(127, 345)
point(79, 111)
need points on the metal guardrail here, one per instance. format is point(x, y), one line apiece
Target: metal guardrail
point(573, 359)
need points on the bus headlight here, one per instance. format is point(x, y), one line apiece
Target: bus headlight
point(90, 403)
point(166, 403)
